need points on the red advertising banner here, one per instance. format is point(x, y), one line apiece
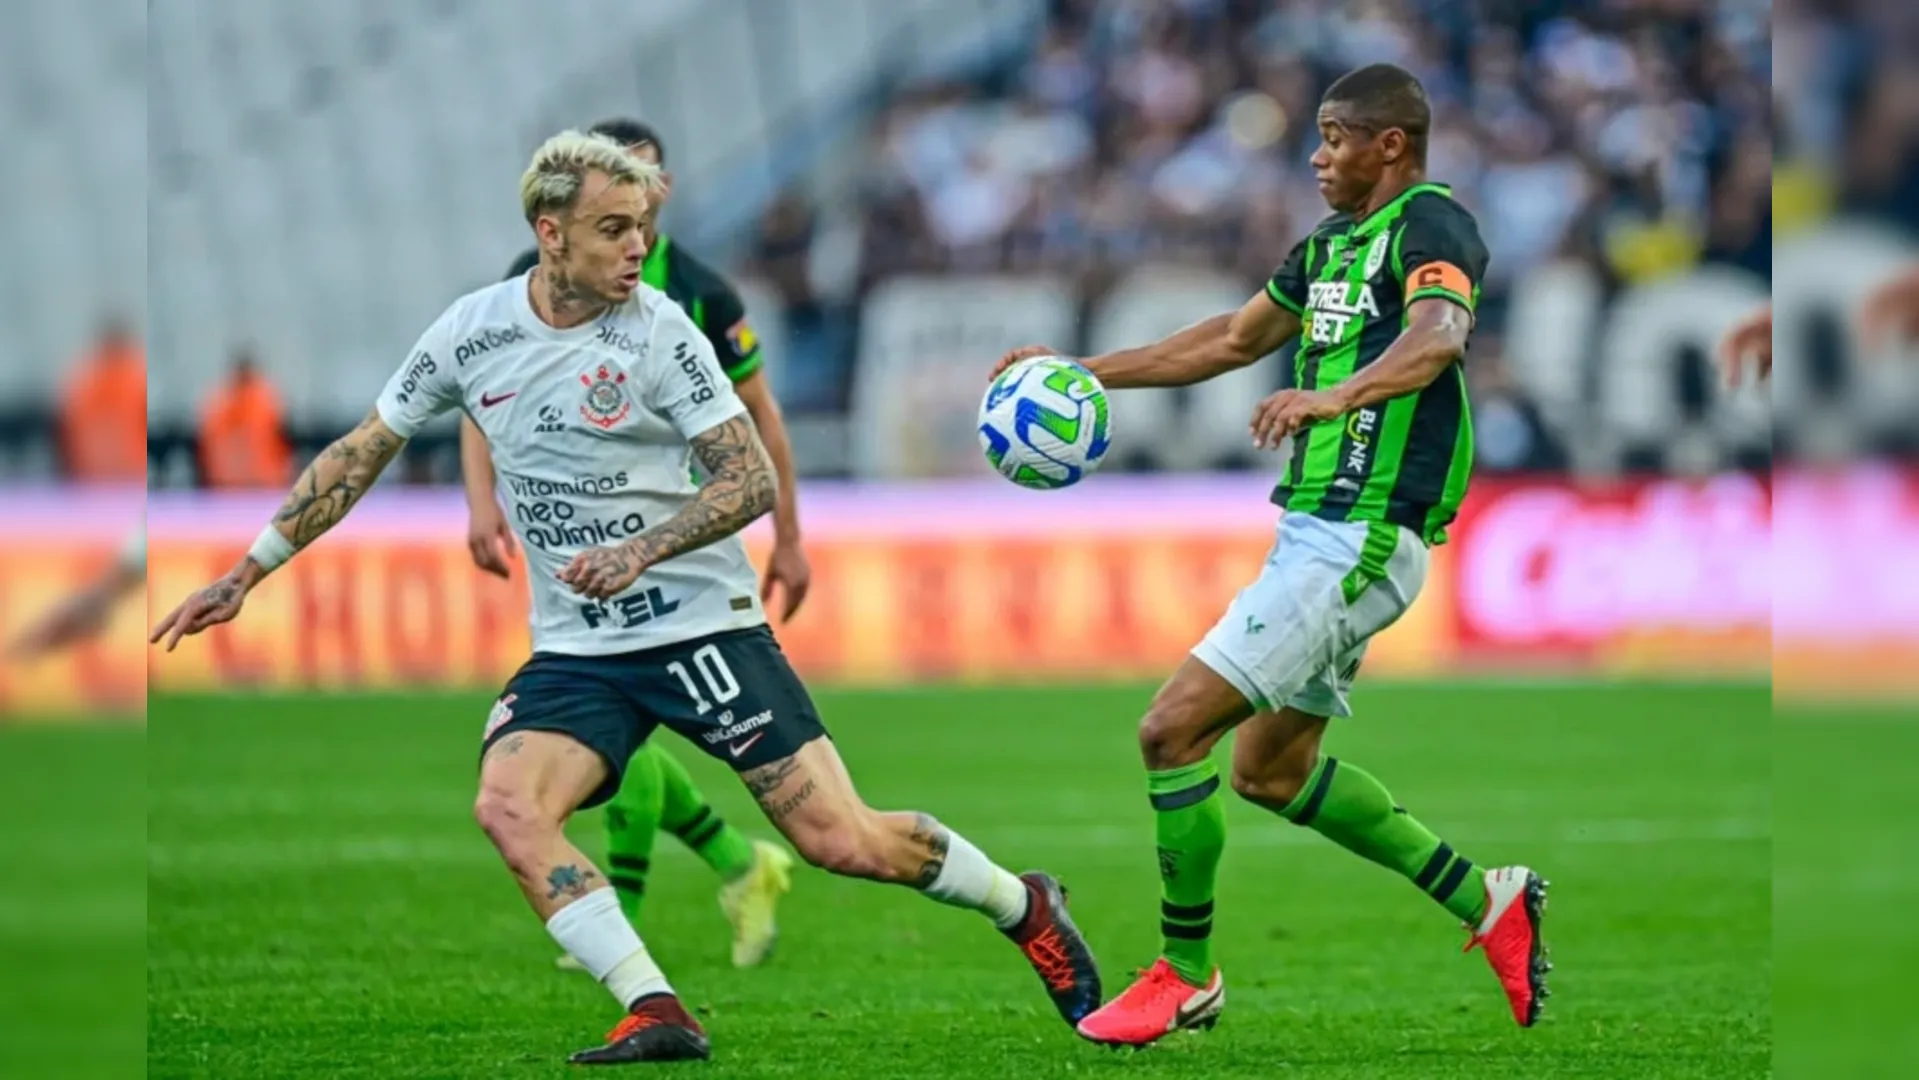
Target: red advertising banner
point(1641, 576)
point(985, 582)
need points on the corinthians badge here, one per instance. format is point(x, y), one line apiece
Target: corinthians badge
point(606, 400)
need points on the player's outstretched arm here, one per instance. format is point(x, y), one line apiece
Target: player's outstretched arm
point(81, 615)
point(320, 499)
point(1203, 350)
point(740, 486)
point(1434, 337)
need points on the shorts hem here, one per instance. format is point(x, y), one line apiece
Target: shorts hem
point(1224, 666)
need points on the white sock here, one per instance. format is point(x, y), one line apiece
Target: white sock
point(971, 880)
point(594, 931)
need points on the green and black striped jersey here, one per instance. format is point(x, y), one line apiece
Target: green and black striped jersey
point(701, 292)
point(1404, 461)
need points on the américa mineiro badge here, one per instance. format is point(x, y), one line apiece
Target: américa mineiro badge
point(606, 401)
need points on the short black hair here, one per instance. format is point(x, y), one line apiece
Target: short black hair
point(1386, 96)
point(630, 133)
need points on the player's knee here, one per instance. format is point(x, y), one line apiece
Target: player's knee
point(510, 818)
point(1168, 738)
point(853, 851)
point(1273, 785)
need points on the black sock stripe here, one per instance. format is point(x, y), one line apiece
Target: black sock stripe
point(697, 821)
point(1450, 883)
point(1434, 867)
point(704, 835)
point(1318, 795)
point(1185, 913)
point(1184, 797)
point(627, 883)
point(638, 864)
point(1184, 932)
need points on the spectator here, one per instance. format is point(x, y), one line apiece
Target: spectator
point(103, 412)
point(243, 441)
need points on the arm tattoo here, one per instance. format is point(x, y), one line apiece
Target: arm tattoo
point(934, 835)
point(763, 780)
point(569, 880)
point(336, 479)
point(740, 486)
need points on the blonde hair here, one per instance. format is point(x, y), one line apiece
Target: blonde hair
point(558, 171)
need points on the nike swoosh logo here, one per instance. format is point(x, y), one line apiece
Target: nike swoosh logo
point(487, 401)
point(736, 749)
point(1196, 1005)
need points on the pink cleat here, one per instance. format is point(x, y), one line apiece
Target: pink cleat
point(1515, 903)
point(1157, 1005)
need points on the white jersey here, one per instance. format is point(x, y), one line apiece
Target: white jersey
point(589, 431)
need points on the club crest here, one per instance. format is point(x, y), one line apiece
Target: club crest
point(606, 401)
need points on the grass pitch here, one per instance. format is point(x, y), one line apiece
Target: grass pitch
point(321, 904)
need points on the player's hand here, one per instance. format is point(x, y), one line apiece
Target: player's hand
point(787, 568)
point(1024, 352)
point(1750, 336)
point(1290, 410)
point(211, 606)
point(489, 539)
point(603, 572)
point(1891, 311)
point(79, 617)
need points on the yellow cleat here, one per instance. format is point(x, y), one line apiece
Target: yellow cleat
point(749, 903)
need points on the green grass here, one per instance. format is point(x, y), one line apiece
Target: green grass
point(321, 905)
point(1845, 890)
point(72, 901)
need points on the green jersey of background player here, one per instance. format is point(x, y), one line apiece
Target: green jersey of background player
point(1382, 296)
point(657, 791)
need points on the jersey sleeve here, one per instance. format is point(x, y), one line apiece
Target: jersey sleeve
point(731, 336)
point(1438, 253)
point(690, 388)
point(1287, 286)
point(426, 385)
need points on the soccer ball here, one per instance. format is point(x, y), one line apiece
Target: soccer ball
point(1043, 423)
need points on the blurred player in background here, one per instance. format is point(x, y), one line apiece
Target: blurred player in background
point(658, 792)
point(1749, 339)
point(86, 612)
point(596, 396)
point(1891, 313)
point(1384, 292)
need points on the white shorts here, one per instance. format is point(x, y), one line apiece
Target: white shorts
point(1297, 634)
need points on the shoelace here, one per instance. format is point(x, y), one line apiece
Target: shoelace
point(1157, 984)
point(1049, 955)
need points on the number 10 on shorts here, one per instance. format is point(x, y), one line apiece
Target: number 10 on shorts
point(713, 672)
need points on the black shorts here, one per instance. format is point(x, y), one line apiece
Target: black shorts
point(731, 694)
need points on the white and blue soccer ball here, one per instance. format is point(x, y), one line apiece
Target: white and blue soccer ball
point(1043, 423)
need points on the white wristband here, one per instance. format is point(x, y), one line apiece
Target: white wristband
point(271, 549)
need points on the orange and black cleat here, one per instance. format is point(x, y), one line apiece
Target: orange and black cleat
point(1053, 945)
point(658, 1029)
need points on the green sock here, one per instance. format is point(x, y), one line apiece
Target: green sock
point(684, 813)
point(1191, 834)
point(1346, 805)
point(632, 821)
